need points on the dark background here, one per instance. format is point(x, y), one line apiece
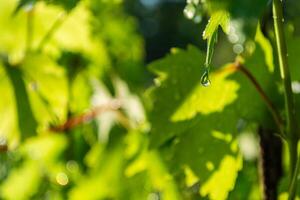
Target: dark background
point(163, 26)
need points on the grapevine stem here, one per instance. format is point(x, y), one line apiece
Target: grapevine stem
point(288, 94)
point(3, 148)
point(114, 105)
point(237, 66)
point(293, 183)
point(264, 96)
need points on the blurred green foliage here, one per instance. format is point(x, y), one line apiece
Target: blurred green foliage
point(80, 121)
point(67, 63)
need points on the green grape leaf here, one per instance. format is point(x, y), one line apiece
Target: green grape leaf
point(193, 111)
point(219, 184)
point(247, 184)
point(178, 77)
point(178, 98)
point(190, 121)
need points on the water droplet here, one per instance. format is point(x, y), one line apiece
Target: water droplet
point(189, 11)
point(206, 83)
point(205, 79)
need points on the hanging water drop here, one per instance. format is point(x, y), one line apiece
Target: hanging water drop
point(189, 11)
point(206, 83)
point(205, 78)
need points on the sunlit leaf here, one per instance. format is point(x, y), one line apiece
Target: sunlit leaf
point(191, 121)
point(23, 182)
point(26, 120)
point(218, 18)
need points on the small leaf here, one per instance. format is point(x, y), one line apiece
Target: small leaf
point(209, 54)
point(218, 18)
